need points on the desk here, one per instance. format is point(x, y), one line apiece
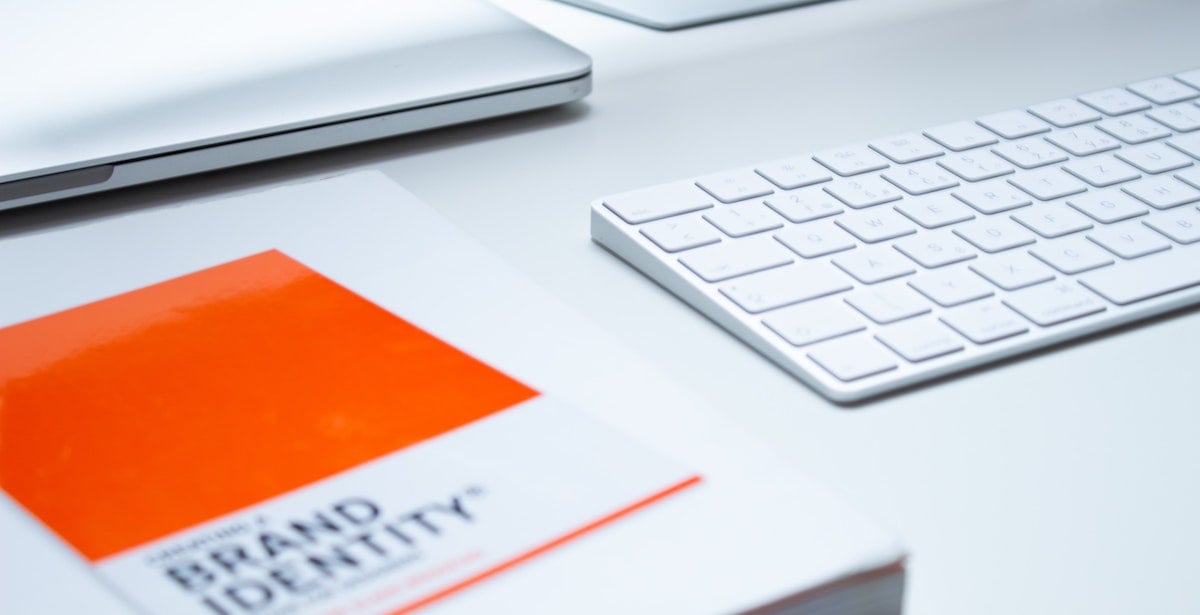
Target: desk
point(1060, 482)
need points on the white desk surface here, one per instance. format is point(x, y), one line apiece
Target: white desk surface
point(1063, 482)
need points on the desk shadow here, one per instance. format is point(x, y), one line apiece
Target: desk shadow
point(297, 167)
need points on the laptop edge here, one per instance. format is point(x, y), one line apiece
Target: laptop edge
point(109, 176)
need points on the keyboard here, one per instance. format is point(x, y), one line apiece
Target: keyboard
point(866, 268)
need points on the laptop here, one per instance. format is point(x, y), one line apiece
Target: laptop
point(109, 95)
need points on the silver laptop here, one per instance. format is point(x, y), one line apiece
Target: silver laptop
point(107, 95)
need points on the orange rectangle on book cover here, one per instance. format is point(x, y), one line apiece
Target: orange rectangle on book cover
point(130, 418)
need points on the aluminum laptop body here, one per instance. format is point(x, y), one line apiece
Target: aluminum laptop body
point(111, 95)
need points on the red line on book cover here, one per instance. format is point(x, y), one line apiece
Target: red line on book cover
point(543, 548)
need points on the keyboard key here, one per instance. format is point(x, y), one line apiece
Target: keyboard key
point(743, 219)
point(1072, 255)
point(852, 358)
point(793, 173)
point(1154, 158)
point(1101, 171)
point(1134, 129)
point(1140, 280)
point(1013, 271)
point(815, 239)
point(876, 225)
point(1163, 192)
point(976, 165)
point(920, 178)
point(1190, 177)
point(950, 287)
point(809, 323)
point(733, 186)
point(1192, 78)
point(935, 249)
point(888, 303)
point(1181, 225)
point(775, 288)
point(1188, 144)
point(995, 234)
point(874, 264)
point(1064, 112)
point(992, 197)
point(906, 148)
point(1013, 124)
point(1114, 101)
point(847, 161)
point(863, 192)
point(920, 340)
point(659, 202)
point(1107, 206)
point(678, 234)
point(1183, 117)
point(1052, 220)
point(1163, 90)
point(1030, 153)
point(1129, 241)
point(1048, 184)
point(731, 259)
point(935, 211)
point(985, 322)
point(805, 205)
point(1083, 141)
point(960, 136)
point(1051, 304)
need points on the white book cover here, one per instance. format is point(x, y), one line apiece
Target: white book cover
point(323, 398)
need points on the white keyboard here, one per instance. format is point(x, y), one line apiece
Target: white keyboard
point(866, 268)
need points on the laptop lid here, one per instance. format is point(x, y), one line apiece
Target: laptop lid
point(109, 95)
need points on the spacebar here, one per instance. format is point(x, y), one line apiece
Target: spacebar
point(1147, 277)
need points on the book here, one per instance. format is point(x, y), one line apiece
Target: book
point(323, 398)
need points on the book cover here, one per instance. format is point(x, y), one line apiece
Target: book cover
point(326, 398)
point(255, 438)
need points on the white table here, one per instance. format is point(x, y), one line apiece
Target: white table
point(1060, 482)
